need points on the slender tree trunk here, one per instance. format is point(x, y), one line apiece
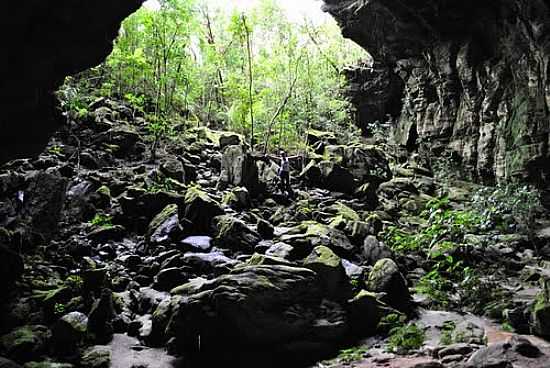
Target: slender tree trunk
point(250, 79)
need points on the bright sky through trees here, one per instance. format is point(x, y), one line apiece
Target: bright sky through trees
point(296, 9)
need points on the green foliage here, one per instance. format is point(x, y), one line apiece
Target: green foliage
point(510, 207)
point(56, 150)
point(59, 309)
point(102, 220)
point(74, 282)
point(406, 338)
point(391, 321)
point(447, 333)
point(351, 355)
point(190, 60)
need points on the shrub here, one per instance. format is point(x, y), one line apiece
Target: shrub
point(406, 338)
point(101, 220)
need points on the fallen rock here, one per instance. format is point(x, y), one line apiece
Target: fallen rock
point(165, 226)
point(11, 269)
point(232, 233)
point(100, 327)
point(200, 209)
point(516, 352)
point(385, 277)
point(96, 357)
point(26, 343)
point(331, 272)
point(254, 312)
point(69, 331)
point(239, 169)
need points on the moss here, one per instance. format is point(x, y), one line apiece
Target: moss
point(195, 193)
point(104, 191)
point(165, 214)
point(229, 198)
point(324, 256)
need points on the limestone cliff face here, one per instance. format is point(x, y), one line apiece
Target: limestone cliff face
point(42, 42)
point(470, 77)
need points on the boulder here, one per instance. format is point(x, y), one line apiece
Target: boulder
point(169, 278)
point(43, 202)
point(541, 310)
point(209, 263)
point(366, 311)
point(238, 198)
point(374, 250)
point(104, 234)
point(281, 250)
point(69, 331)
point(165, 226)
point(239, 169)
point(310, 234)
point(201, 209)
point(96, 357)
point(230, 139)
point(232, 233)
point(331, 272)
point(366, 164)
point(336, 178)
point(100, 327)
point(265, 229)
point(385, 277)
point(173, 168)
point(123, 137)
point(26, 343)
point(47, 364)
point(517, 351)
point(11, 269)
point(196, 244)
point(257, 312)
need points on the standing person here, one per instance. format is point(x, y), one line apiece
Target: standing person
point(284, 171)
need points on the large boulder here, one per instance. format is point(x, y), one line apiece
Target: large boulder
point(367, 164)
point(331, 272)
point(69, 331)
point(256, 312)
point(165, 226)
point(517, 351)
point(386, 278)
point(26, 343)
point(11, 268)
point(43, 203)
point(310, 234)
point(100, 326)
point(239, 169)
point(200, 210)
point(232, 233)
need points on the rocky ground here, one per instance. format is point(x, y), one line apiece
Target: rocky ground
point(110, 259)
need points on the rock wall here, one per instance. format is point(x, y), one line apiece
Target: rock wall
point(43, 42)
point(471, 77)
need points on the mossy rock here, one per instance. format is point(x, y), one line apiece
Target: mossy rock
point(330, 271)
point(201, 209)
point(385, 277)
point(165, 226)
point(96, 357)
point(26, 343)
